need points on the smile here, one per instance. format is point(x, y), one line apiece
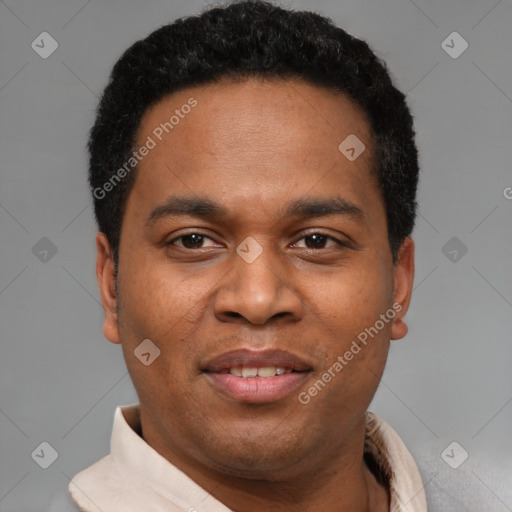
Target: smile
point(265, 371)
point(256, 376)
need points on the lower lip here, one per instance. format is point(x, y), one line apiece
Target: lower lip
point(257, 389)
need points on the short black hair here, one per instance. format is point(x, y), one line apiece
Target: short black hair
point(239, 40)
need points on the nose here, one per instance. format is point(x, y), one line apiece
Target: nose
point(257, 292)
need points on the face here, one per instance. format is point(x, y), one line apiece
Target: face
point(250, 241)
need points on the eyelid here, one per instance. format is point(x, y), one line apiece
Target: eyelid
point(313, 231)
point(342, 240)
point(194, 232)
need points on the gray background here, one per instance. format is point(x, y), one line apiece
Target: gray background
point(449, 380)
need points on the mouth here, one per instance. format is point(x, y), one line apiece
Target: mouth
point(256, 376)
point(263, 372)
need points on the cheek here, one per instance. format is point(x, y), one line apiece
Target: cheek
point(166, 307)
point(154, 299)
point(349, 310)
point(352, 299)
point(159, 306)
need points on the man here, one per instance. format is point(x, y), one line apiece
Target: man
point(254, 175)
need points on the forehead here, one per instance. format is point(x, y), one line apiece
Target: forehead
point(237, 140)
point(299, 111)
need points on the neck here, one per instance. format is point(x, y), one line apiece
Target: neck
point(336, 490)
point(337, 480)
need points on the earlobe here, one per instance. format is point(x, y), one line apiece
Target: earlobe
point(403, 283)
point(106, 282)
point(399, 328)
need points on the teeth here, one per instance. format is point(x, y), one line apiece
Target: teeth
point(266, 371)
point(249, 372)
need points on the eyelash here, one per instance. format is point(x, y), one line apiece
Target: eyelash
point(204, 235)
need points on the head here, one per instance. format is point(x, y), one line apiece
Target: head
point(231, 217)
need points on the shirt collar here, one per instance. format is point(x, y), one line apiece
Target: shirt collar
point(395, 465)
point(134, 475)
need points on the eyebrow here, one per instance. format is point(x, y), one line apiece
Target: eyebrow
point(304, 208)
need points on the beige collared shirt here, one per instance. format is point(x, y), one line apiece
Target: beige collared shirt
point(134, 477)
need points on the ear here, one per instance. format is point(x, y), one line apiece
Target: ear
point(404, 278)
point(106, 282)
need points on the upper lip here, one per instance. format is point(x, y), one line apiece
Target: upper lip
point(247, 358)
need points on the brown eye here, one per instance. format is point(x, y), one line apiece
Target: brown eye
point(190, 240)
point(319, 240)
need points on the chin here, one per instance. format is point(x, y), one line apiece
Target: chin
point(256, 459)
